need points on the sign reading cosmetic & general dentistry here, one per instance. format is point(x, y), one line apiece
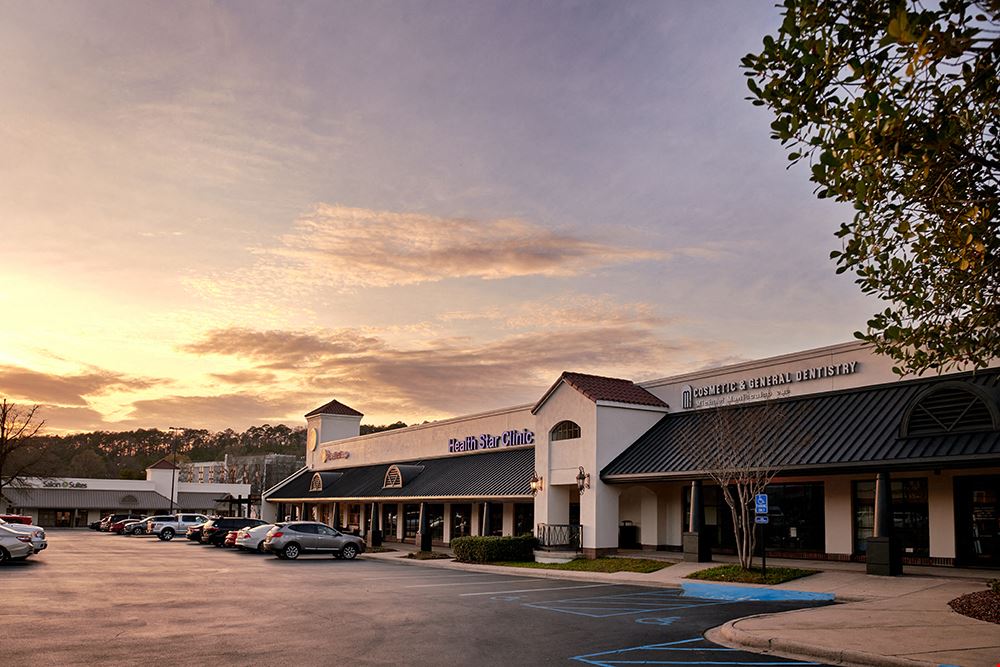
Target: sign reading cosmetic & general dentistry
point(760, 387)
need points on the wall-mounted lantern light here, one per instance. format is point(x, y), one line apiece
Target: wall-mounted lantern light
point(536, 483)
point(582, 480)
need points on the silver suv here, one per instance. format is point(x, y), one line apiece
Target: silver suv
point(166, 527)
point(288, 540)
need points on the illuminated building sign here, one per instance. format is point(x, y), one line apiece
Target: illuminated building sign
point(472, 443)
point(690, 394)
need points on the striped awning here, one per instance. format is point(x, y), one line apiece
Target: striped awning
point(491, 475)
point(84, 499)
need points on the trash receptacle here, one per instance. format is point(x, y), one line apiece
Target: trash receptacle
point(628, 535)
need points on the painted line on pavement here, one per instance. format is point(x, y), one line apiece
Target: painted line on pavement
point(533, 590)
point(470, 583)
point(740, 593)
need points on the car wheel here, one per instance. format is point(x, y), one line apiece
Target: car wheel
point(291, 551)
point(349, 552)
point(167, 534)
point(4, 556)
point(260, 546)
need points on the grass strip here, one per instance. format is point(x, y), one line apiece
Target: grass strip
point(643, 565)
point(736, 574)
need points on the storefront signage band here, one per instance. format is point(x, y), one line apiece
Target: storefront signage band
point(472, 443)
point(57, 484)
point(689, 393)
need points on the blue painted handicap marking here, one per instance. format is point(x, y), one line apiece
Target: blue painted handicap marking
point(695, 651)
point(605, 606)
point(658, 621)
point(744, 593)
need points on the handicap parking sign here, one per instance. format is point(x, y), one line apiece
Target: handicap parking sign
point(761, 503)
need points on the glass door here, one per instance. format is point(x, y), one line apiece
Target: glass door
point(977, 525)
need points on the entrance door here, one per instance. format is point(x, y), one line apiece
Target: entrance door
point(977, 523)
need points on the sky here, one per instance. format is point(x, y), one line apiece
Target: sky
point(215, 215)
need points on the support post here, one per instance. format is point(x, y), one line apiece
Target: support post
point(884, 550)
point(375, 529)
point(485, 523)
point(695, 540)
point(424, 533)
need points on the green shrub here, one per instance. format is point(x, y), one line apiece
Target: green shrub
point(994, 585)
point(490, 549)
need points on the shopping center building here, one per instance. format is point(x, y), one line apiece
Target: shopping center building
point(605, 464)
point(75, 502)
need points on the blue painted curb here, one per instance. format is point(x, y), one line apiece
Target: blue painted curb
point(735, 593)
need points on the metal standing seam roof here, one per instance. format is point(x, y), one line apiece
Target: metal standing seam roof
point(505, 473)
point(84, 498)
point(193, 500)
point(856, 428)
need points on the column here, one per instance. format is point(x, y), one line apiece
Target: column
point(884, 552)
point(374, 539)
point(695, 540)
point(424, 531)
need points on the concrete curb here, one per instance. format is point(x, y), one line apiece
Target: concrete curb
point(733, 637)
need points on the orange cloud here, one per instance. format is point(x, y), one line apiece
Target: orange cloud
point(347, 247)
point(36, 387)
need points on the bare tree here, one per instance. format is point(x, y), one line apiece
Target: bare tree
point(19, 450)
point(743, 459)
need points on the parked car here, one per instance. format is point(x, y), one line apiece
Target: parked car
point(252, 539)
point(167, 527)
point(16, 518)
point(107, 521)
point(289, 540)
point(194, 532)
point(230, 540)
point(134, 527)
point(118, 526)
point(95, 525)
point(214, 531)
point(35, 533)
point(14, 545)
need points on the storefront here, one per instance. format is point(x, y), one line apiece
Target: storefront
point(77, 502)
point(600, 464)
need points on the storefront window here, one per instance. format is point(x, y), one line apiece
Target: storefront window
point(411, 520)
point(796, 517)
point(390, 520)
point(524, 518)
point(909, 515)
point(496, 518)
point(353, 518)
point(435, 521)
point(461, 520)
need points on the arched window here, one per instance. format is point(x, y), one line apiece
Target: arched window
point(316, 483)
point(564, 430)
point(393, 478)
point(129, 500)
point(951, 407)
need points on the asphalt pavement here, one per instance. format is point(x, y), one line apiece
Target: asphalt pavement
point(100, 599)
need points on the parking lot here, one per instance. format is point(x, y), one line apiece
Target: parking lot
point(98, 598)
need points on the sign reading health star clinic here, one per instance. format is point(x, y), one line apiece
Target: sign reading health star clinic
point(473, 443)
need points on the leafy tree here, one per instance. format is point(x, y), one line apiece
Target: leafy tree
point(19, 450)
point(895, 106)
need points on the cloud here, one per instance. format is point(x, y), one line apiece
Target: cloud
point(346, 248)
point(236, 410)
point(36, 387)
point(281, 349)
point(448, 376)
point(244, 377)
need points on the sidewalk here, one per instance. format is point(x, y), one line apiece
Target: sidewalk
point(881, 621)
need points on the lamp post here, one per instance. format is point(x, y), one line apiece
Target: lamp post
point(173, 461)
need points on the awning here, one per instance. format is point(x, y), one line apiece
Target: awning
point(845, 431)
point(505, 474)
point(84, 499)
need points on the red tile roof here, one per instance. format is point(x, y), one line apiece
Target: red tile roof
point(599, 388)
point(335, 407)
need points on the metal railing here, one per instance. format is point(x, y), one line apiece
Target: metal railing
point(559, 536)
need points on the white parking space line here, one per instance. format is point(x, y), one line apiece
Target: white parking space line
point(537, 590)
point(422, 576)
point(470, 583)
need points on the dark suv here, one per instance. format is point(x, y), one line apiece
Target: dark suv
point(214, 531)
